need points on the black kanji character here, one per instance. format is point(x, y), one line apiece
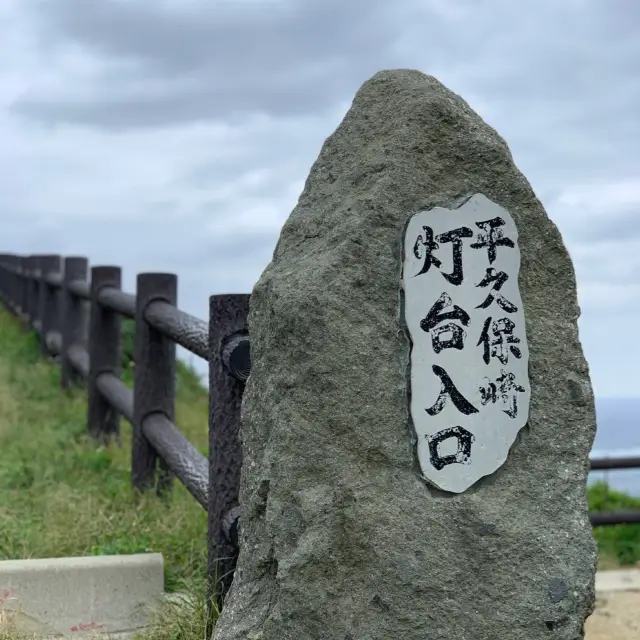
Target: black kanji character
point(499, 278)
point(424, 248)
point(504, 388)
point(448, 390)
point(437, 315)
point(503, 342)
point(461, 456)
point(492, 237)
point(455, 237)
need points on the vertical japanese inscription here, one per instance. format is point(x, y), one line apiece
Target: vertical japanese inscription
point(469, 359)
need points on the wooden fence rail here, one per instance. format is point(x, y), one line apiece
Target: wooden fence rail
point(79, 320)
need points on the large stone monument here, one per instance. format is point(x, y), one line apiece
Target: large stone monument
point(417, 423)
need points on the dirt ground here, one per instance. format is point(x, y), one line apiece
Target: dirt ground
point(617, 617)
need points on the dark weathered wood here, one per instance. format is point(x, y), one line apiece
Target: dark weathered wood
point(36, 284)
point(16, 285)
point(103, 421)
point(116, 300)
point(79, 358)
point(5, 286)
point(8, 289)
point(614, 517)
point(236, 356)
point(54, 279)
point(3, 277)
point(8, 281)
point(54, 343)
point(74, 319)
point(81, 289)
point(181, 457)
point(13, 284)
point(189, 332)
point(603, 462)
point(32, 289)
point(117, 393)
point(24, 288)
point(227, 326)
point(154, 379)
point(48, 312)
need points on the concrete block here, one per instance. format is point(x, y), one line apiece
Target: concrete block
point(74, 597)
point(618, 580)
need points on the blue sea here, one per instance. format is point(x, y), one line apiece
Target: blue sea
point(618, 421)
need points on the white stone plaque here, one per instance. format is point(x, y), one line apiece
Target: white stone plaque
point(469, 376)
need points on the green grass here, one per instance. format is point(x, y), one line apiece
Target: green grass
point(618, 545)
point(63, 495)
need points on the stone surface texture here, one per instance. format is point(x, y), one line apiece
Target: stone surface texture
point(340, 538)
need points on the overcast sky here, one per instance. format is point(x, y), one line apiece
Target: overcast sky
point(176, 135)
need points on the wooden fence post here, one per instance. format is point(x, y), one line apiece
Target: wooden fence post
point(24, 288)
point(73, 320)
point(154, 379)
point(229, 362)
point(27, 267)
point(4, 278)
point(48, 301)
point(17, 286)
point(7, 279)
point(8, 276)
point(33, 267)
point(103, 421)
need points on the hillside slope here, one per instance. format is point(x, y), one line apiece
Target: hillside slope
point(62, 495)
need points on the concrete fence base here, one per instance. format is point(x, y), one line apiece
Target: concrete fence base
point(618, 580)
point(77, 597)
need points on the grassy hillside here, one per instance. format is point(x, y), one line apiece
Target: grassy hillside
point(61, 495)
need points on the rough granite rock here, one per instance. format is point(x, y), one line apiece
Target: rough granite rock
point(340, 538)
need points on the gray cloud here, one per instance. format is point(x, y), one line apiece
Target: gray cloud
point(623, 226)
point(554, 68)
point(198, 62)
point(175, 135)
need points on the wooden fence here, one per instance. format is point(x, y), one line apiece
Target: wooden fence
point(79, 320)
